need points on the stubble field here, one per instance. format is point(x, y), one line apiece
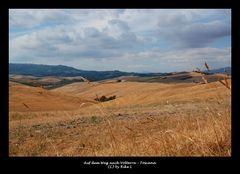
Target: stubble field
point(145, 119)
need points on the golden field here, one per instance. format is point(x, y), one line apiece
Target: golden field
point(145, 119)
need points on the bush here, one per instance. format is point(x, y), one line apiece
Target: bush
point(94, 119)
point(104, 98)
point(112, 97)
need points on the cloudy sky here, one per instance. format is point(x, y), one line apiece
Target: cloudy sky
point(133, 40)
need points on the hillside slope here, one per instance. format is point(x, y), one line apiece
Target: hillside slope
point(129, 94)
point(145, 119)
point(26, 99)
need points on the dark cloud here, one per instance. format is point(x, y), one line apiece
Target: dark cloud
point(184, 32)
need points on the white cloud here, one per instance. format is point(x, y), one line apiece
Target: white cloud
point(129, 40)
point(178, 60)
point(29, 18)
point(74, 42)
point(151, 60)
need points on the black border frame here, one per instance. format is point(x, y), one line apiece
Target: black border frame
point(182, 163)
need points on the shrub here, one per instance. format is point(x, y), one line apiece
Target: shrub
point(93, 119)
point(104, 98)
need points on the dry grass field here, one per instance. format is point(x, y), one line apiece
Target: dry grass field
point(145, 119)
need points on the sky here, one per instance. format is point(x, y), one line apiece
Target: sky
point(131, 40)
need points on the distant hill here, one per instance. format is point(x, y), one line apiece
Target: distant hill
point(63, 71)
point(66, 71)
point(221, 70)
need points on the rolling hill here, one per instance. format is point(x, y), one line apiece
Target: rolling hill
point(24, 98)
point(145, 119)
point(172, 114)
point(46, 82)
point(55, 76)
